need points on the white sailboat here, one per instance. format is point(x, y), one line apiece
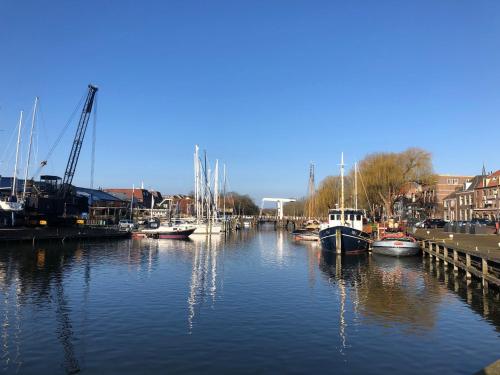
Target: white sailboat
point(205, 209)
point(12, 204)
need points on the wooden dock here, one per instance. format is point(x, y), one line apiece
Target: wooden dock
point(34, 235)
point(476, 255)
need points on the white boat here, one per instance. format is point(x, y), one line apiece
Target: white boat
point(207, 229)
point(11, 206)
point(12, 203)
point(177, 231)
point(396, 244)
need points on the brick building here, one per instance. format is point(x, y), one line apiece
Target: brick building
point(433, 195)
point(487, 197)
point(460, 204)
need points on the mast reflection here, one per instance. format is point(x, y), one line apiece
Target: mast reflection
point(204, 274)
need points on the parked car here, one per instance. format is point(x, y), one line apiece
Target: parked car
point(434, 223)
point(482, 222)
point(420, 224)
point(126, 225)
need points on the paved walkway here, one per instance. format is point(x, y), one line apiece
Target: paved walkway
point(483, 243)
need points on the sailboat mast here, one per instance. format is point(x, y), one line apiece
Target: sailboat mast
point(197, 183)
point(152, 205)
point(224, 192)
point(14, 180)
point(29, 147)
point(206, 185)
point(132, 201)
point(356, 186)
point(342, 208)
point(216, 189)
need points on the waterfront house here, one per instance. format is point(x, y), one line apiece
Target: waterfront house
point(450, 207)
point(487, 197)
point(433, 195)
point(466, 199)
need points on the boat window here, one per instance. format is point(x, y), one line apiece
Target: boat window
point(332, 217)
point(358, 217)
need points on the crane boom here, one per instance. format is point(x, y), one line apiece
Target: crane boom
point(78, 141)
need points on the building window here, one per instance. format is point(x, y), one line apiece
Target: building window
point(452, 181)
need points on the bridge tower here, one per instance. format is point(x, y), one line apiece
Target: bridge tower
point(279, 205)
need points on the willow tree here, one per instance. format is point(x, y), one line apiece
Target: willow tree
point(387, 176)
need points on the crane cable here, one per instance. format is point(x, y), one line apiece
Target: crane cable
point(43, 163)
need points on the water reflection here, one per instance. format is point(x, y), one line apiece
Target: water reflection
point(386, 290)
point(105, 301)
point(204, 277)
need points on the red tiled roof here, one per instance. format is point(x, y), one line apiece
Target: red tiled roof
point(492, 180)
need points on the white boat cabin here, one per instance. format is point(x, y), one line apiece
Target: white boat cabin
point(352, 218)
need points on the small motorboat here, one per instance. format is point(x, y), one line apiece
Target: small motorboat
point(396, 244)
point(305, 235)
point(178, 231)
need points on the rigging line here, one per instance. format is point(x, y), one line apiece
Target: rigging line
point(7, 148)
point(364, 188)
point(94, 134)
point(56, 143)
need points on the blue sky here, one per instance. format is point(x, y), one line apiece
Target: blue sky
point(265, 86)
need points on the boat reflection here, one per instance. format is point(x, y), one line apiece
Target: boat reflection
point(386, 290)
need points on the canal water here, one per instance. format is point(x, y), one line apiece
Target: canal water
point(256, 302)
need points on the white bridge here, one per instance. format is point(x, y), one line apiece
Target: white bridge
point(279, 205)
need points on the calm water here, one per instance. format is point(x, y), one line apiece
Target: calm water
point(256, 302)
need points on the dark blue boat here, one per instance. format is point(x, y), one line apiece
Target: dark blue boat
point(349, 232)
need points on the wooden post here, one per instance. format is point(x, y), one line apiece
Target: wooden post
point(437, 254)
point(445, 254)
point(338, 266)
point(484, 267)
point(455, 260)
point(468, 265)
point(338, 240)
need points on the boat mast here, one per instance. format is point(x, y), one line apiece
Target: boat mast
point(132, 201)
point(152, 204)
point(206, 186)
point(29, 147)
point(342, 208)
point(224, 192)
point(197, 183)
point(14, 179)
point(216, 189)
point(356, 186)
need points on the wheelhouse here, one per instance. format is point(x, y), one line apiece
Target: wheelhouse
point(352, 218)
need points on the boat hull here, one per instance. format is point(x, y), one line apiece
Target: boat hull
point(169, 232)
point(205, 229)
point(353, 241)
point(395, 248)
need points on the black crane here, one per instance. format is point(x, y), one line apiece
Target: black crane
point(56, 204)
point(77, 143)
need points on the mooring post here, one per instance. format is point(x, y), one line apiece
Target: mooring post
point(484, 268)
point(338, 240)
point(338, 266)
point(468, 265)
point(455, 260)
point(437, 254)
point(445, 255)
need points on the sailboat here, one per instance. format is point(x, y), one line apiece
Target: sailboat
point(12, 204)
point(205, 205)
point(343, 234)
